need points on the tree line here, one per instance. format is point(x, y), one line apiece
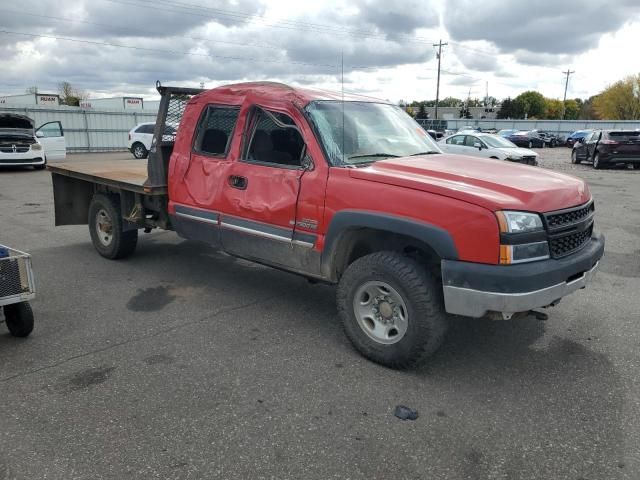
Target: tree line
point(620, 101)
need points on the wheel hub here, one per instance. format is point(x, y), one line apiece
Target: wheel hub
point(104, 227)
point(381, 312)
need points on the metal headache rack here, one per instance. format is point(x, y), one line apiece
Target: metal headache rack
point(173, 102)
point(16, 277)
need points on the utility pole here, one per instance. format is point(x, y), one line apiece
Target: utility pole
point(439, 57)
point(566, 84)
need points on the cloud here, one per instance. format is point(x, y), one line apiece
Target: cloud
point(178, 44)
point(546, 26)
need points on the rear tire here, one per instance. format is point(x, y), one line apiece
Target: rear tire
point(407, 293)
point(19, 319)
point(574, 157)
point(139, 150)
point(105, 227)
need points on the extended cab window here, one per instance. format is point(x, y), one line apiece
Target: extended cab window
point(215, 130)
point(274, 139)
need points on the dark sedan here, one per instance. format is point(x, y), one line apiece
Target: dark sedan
point(608, 147)
point(576, 137)
point(528, 139)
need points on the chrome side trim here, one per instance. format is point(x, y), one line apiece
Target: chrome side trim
point(197, 219)
point(477, 303)
point(251, 231)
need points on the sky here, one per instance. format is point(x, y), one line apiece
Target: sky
point(380, 48)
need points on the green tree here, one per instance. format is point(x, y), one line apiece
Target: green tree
point(571, 110)
point(620, 101)
point(507, 109)
point(450, 102)
point(552, 109)
point(587, 111)
point(529, 104)
point(422, 111)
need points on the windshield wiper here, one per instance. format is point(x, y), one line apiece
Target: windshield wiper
point(430, 152)
point(388, 155)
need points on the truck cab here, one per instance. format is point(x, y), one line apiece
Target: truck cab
point(347, 190)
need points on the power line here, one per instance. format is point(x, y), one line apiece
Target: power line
point(132, 47)
point(148, 33)
point(197, 10)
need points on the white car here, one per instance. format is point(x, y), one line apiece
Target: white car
point(141, 136)
point(488, 146)
point(21, 144)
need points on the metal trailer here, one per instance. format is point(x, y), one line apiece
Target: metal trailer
point(17, 287)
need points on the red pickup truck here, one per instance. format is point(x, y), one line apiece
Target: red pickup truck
point(348, 191)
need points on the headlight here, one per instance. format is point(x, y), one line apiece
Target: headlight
point(522, 237)
point(519, 222)
point(514, 157)
point(36, 146)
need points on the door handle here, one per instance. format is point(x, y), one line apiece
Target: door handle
point(238, 182)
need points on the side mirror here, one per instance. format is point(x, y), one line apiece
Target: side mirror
point(39, 134)
point(478, 145)
point(307, 163)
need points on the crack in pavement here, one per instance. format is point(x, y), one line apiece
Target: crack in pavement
point(137, 339)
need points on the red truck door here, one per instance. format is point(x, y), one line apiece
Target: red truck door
point(259, 200)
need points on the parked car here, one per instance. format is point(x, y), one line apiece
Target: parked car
point(608, 147)
point(506, 132)
point(22, 145)
point(488, 146)
point(576, 137)
point(528, 139)
point(551, 139)
point(352, 193)
point(140, 138)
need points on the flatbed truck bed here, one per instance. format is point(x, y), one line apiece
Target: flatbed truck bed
point(129, 175)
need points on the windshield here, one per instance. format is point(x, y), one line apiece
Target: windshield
point(497, 142)
point(355, 133)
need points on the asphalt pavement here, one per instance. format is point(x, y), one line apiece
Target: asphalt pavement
point(184, 363)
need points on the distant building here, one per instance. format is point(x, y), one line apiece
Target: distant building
point(114, 103)
point(50, 99)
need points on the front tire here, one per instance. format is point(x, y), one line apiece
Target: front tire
point(392, 309)
point(139, 150)
point(19, 319)
point(574, 157)
point(41, 167)
point(105, 227)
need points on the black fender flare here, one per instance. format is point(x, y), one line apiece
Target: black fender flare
point(435, 237)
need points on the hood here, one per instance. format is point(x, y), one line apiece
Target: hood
point(12, 120)
point(493, 184)
point(521, 152)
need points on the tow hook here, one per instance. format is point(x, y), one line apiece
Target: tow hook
point(512, 316)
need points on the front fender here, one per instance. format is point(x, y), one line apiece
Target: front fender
point(435, 237)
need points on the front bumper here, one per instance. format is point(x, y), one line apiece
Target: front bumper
point(474, 290)
point(19, 159)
